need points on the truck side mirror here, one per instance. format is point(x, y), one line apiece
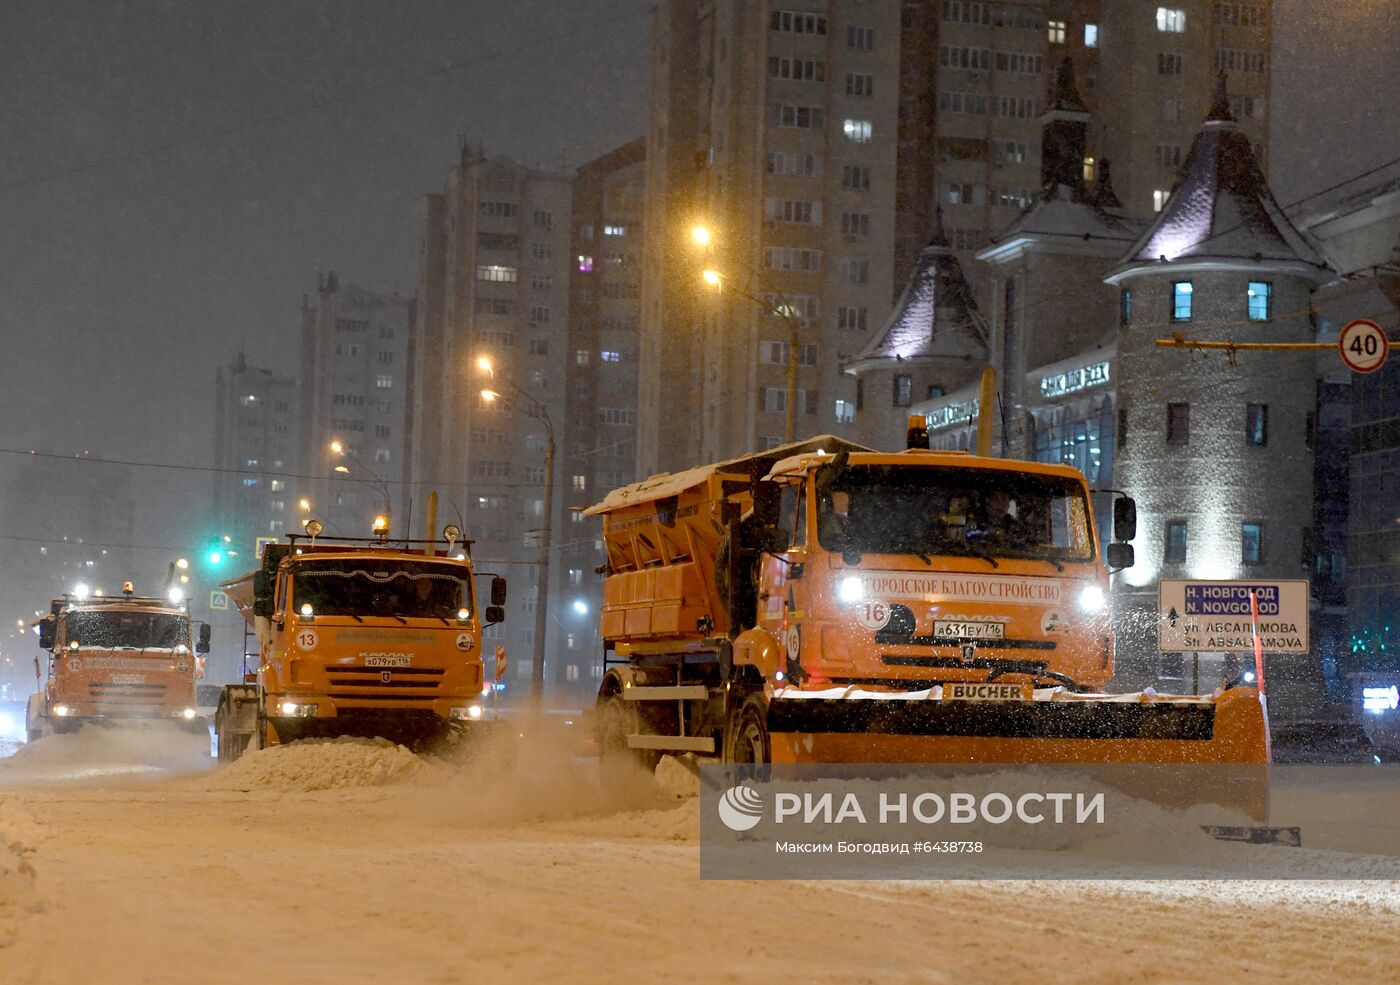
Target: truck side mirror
point(202, 644)
point(495, 614)
point(498, 593)
point(46, 634)
point(1121, 556)
point(262, 593)
point(1124, 518)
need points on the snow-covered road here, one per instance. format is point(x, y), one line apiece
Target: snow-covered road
point(358, 863)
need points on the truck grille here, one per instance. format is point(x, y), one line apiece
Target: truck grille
point(368, 684)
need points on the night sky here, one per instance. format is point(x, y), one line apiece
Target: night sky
point(174, 175)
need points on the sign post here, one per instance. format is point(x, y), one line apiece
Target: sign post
point(1363, 346)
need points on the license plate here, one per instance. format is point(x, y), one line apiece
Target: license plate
point(965, 630)
point(988, 692)
point(389, 661)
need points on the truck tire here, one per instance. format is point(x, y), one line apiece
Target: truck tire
point(746, 737)
point(623, 772)
point(34, 734)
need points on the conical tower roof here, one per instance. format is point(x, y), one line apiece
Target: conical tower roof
point(1221, 212)
point(935, 317)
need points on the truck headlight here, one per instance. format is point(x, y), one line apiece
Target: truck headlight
point(464, 713)
point(297, 709)
point(1091, 599)
point(62, 710)
point(850, 589)
point(188, 714)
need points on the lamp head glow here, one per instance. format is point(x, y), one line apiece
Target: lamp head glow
point(701, 236)
point(343, 469)
point(177, 594)
point(313, 528)
point(464, 614)
point(338, 447)
point(484, 364)
point(306, 609)
point(451, 533)
point(489, 396)
point(304, 503)
point(581, 607)
point(81, 591)
point(381, 526)
point(182, 563)
point(850, 589)
point(711, 277)
point(128, 588)
point(1091, 599)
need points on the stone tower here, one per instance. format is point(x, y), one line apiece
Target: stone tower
point(933, 342)
point(1215, 449)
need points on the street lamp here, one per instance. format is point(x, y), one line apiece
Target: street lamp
point(536, 409)
point(379, 484)
point(784, 311)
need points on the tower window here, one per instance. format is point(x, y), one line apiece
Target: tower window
point(1174, 549)
point(1171, 20)
point(1251, 543)
point(1260, 295)
point(1091, 35)
point(1178, 424)
point(1056, 32)
point(903, 390)
point(1256, 425)
point(1182, 292)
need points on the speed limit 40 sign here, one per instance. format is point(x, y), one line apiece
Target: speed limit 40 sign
point(1363, 346)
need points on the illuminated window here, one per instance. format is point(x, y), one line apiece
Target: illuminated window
point(845, 412)
point(1088, 169)
point(1056, 31)
point(1251, 543)
point(1159, 199)
point(579, 482)
point(495, 272)
point(585, 264)
point(1182, 293)
point(857, 131)
point(1261, 296)
point(1171, 20)
point(1091, 35)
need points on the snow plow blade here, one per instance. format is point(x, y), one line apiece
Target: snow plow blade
point(847, 725)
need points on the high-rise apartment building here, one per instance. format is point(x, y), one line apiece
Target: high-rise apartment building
point(494, 284)
point(598, 448)
point(354, 410)
point(255, 431)
point(815, 139)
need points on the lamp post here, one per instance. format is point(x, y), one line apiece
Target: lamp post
point(703, 237)
point(379, 484)
point(536, 409)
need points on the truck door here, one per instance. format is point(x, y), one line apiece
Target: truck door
point(785, 577)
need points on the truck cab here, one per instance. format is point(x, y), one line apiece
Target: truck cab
point(357, 638)
point(114, 659)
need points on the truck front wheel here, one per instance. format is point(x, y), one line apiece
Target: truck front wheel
point(746, 738)
point(624, 772)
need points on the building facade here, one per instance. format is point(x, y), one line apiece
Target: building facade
point(494, 284)
point(256, 431)
point(817, 140)
point(354, 411)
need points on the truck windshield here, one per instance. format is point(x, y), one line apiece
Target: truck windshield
point(114, 630)
point(380, 588)
point(882, 509)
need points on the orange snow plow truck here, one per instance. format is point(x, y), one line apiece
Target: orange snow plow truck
point(823, 602)
point(116, 659)
point(358, 637)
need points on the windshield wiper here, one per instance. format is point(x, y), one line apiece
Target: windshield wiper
point(970, 549)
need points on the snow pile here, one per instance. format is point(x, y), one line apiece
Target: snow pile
point(320, 764)
point(19, 837)
point(678, 777)
point(95, 751)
